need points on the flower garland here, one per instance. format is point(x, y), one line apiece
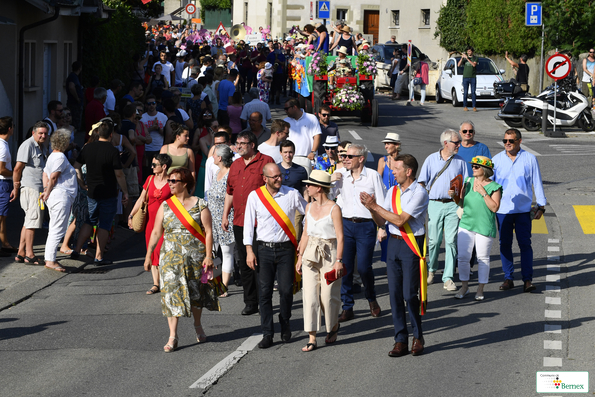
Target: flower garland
point(366, 65)
point(318, 65)
point(297, 73)
point(348, 98)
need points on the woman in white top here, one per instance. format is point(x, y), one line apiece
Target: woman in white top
point(59, 190)
point(321, 251)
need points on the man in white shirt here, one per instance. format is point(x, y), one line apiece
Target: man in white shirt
point(256, 105)
point(276, 249)
point(109, 106)
point(304, 132)
point(359, 229)
point(279, 133)
point(167, 67)
point(155, 122)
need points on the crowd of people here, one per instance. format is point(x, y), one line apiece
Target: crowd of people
point(283, 204)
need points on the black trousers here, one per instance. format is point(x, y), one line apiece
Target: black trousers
point(249, 276)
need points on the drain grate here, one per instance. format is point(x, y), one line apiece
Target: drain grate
point(94, 271)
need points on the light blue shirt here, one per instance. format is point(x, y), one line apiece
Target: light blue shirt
point(432, 166)
point(414, 201)
point(519, 179)
point(467, 153)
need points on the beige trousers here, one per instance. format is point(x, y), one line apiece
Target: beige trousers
point(319, 258)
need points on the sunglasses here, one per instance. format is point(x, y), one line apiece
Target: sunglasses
point(324, 114)
point(153, 165)
point(468, 131)
point(287, 108)
point(174, 180)
point(456, 143)
point(350, 156)
point(151, 103)
point(475, 166)
point(509, 140)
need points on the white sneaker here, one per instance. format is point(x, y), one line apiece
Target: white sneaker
point(430, 278)
point(449, 285)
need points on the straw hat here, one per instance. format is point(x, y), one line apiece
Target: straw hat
point(346, 29)
point(483, 161)
point(391, 137)
point(319, 178)
point(331, 141)
point(342, 50)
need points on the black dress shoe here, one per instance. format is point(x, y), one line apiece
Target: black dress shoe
point(285, 330)
point(399, 350)
point(249, 309)
point(346, 315)
point(528, 286)
point(266, 342)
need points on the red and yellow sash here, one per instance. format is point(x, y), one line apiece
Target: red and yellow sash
point(183, 216)
point(409, 238)
point(283, 220)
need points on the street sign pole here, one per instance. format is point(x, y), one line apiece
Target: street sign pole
point(534, 17)
point(541, 68)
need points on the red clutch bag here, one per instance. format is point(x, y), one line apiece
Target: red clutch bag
point(330, 277)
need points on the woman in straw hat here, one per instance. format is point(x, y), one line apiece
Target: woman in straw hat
point(346, 40)
point(320, 252)
point(480, 199)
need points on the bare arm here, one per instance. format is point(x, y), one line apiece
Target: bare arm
point(49, 183)
point(131, 150)
point(511, 62)
point(137, 206)
point(122, 183)
point(16, 178)
point(205, 217)
point(191, 163)
point(302, 245)
point(226, 209)
point(381, 166)
point(5, 171)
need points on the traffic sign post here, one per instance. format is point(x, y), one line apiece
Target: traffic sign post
point(324, 10)
point(534, 17)
point(557, 67)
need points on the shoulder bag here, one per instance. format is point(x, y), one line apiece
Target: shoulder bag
point(139, 220)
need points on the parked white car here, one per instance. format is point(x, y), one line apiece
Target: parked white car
point(449, 86)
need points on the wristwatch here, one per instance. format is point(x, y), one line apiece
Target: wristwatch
point(483, 195)
point(340, 260)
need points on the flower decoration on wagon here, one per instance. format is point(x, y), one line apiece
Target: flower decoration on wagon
point(366, 65)
point(348, 98)
point(318, 65)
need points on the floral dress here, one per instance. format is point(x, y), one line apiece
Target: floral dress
point(181, 268)
point(264, 87)
point(216, 197)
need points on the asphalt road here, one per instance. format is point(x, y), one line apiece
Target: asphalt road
point(98, 334)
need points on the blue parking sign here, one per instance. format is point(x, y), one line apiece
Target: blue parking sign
point(533, 14)
point(324, 9)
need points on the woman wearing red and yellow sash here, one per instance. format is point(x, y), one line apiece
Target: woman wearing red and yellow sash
point(185, 223)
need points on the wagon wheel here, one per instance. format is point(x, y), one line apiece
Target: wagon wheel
point(317, 105)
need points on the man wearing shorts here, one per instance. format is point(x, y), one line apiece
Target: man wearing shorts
point(28, 182)
point(104, 174)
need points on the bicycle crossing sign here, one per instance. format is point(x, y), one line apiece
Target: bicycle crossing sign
point(324, 9)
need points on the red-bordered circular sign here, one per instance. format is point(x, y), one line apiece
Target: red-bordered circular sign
point(558, 66)
point(190, 8)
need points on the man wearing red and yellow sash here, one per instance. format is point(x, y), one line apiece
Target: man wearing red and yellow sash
point(404, 210)
point(272, 208)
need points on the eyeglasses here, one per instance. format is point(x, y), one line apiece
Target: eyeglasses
point(238, 143)
point(350, 156)
point(151, 103)
point(468, 131)
point(456, 143)
point(475, 166)
point(274, 176)
point(509, 140)
point(174, 180)
point(324, 114)
point(153, 165)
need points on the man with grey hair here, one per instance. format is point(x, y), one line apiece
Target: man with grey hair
point(436, 173)
point(256, 105)
point(359, 229)
point(94, 110)
point(469, 146)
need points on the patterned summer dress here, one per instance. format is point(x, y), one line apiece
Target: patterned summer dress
point(216, 196)
point(181, 267)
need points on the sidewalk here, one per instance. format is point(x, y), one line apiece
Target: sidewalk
point(19, 281)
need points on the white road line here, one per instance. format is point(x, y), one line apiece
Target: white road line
point(552, 278)
point(553, 268)
point(355, 135)
point(553, 241)
point(533, 152)
point(552, 288)
point(552, 329)
point(552, 362)
point(553, 314)
point(553, 249)
point(225, 365)
point(552, 344)
point(553, 300)
point(553, 258)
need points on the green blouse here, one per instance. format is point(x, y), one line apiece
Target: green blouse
point(477, 217)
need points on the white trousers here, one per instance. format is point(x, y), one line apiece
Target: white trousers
point(483, 244)
point(227, 253)
point(59, 205)
point(412, 93)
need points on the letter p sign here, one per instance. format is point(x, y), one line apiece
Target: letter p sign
point(533, 14)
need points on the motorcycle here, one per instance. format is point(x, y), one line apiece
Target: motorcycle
point(512, 108)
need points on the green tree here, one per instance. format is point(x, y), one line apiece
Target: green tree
point(569, 24)
point(213, 5)
point(450, 25)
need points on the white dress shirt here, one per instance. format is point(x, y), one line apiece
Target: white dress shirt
point(302, 132)
point(370, 182)
point(267, 228)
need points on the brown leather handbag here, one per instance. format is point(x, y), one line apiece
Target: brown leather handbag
point(139, 220)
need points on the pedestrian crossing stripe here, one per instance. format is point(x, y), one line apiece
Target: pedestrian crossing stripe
point(586, 217)
point(323, 6)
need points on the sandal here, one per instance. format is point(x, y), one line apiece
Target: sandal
point(19, 259)
point(224, 295)
point(310, 347)
point(35, 261)
point(200, 337)
point(332, 334)
point(57, 268)
point(171, 347)
point(68, 252)
point(154, 289)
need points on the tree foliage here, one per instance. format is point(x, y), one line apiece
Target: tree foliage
point(569, 24)
point(107, 48)
point(150, 10)
point(450, 26)
point(213, 5)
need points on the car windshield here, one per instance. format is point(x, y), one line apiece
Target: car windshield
point(485, 66)
point(384, 53)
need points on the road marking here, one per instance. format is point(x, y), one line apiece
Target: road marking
point(552, 278)
point(553, 301)
point(552, 329)
point(574, 149)
point(533, 152)
point(553, 258)
point(552, 288)
point(355, 135)
point(552, 344)
point(553, 241)
point(553, 313)
point(225, 365)
point(552, 362)
point(553, 268)
point(586, 217)
point(553, 249)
